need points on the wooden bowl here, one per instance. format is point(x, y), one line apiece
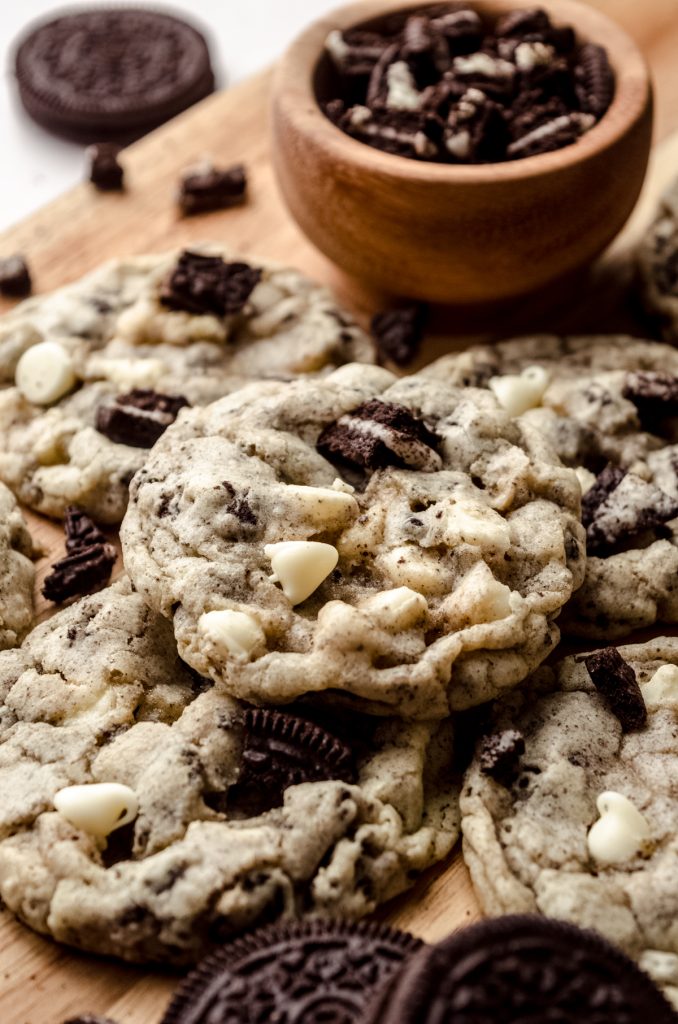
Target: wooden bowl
point(459, 234)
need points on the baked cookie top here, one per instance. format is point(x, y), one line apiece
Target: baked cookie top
point(570, 806)
point(100, 719)
point(401, 545)
point(193, 325)
point(17, 573)
point(609, 406)
point(658, 264)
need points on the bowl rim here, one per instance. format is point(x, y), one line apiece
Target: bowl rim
point(294, 92)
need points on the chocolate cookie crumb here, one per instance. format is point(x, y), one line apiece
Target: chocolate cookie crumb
point(105, 172)
point(207, 284)
point(15, 277)
point(208, 188)
point(85, 570)
point(595, 80)
point(398, 333)
point(654, 394)
point(81, 531)
point(616, 681)
point(500, 752)
point(138, 418)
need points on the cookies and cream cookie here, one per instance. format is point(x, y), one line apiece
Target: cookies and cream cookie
point(146, 814)
point(185, 328)
point(17, 573)
point(609, 406)
point(398, 544)
point(570, 806)
point(658, 264)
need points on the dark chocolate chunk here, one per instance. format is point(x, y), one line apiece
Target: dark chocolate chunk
point(595, 80)
point(81, 531)
point(398, 333)
point(207, 284)
point(606, 482)
point(283, 750)
point(654, 394)
point(82, 572)
point(111, 73)
point(104, 170)
point(379, 434)
point(138, 418)
point(616, 680)
point(15, 277)
point(212, 189)
point(314, 972)
point(500, 752)
point(517, 969)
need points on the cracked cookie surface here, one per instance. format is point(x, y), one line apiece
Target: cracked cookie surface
point(98, 695)
point(607, 406)
point(122, 328)
point(454, 530)
point(17, 573)
point(525, 835)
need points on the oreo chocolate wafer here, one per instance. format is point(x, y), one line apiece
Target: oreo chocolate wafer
point(517, 969)
point(111, 72)
point(319, 972)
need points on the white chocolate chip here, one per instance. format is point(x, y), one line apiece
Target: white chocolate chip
point(402, 88)
point(479, 598)
point(45, 373)
point(519, 392)
point(620, 831)
point(323, 505)
point(341, 485)
point(236, 634)
point(300, 566)
point(127, 373)
point(98, 808)
point(586, 478)
point(662, 690)
point(400, 608)
point(478, 525)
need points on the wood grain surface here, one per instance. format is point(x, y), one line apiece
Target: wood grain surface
point(41, 983)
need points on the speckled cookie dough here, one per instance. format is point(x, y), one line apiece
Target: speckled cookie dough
point(602, 400)
point(157, 323)
point(658, 265)
point(398, 544)
point(581, 825)
point(97, 698)
point(16, 572)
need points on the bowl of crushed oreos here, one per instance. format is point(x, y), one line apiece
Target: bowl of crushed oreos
point(462, 152)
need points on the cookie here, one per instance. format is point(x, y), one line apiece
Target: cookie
point(658, 265)
point(582, 826)
point(609, 407)
point(101, 719)
point(516, 969)
point(111, 73)
point(399, 545)
point(313, 972)
point(17, 573)
point(189, 327)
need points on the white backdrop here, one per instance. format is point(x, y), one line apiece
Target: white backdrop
point(36, 166)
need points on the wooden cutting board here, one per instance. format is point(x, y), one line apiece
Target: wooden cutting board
point(42, 983)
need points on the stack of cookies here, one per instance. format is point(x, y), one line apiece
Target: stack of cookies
point(325, 654)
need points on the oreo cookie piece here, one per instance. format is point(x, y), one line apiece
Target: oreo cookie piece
point(15, 277)
point(379, 434)
point(517, 969)
point(500, 752)
point(139, 418)
point(398, 333)
point(111, 73)
point(208, 188)
point(616, 680)
point(207, 284)
point(89, 1018)
point(105, 172)
point(319, 972)
point(621, 506)
point(654, 394)
point(85, 570)
point(283, 750)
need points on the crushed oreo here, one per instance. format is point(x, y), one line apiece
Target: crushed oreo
point(398, 333)
point(209, 188)
point(621, 506)
point(207, 284)
point(138, 418)
point(105, 172)
point(15, 277)
point(379, 434)
point(445, 85)
point(616, 681)
point(88, 563)
point(654, 394)
point(499, 754)
point(282, 750)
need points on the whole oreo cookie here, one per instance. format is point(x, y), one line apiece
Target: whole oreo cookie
point(319, 972)
point(516, 969)
point(111, 73)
